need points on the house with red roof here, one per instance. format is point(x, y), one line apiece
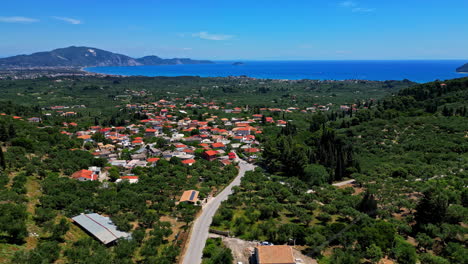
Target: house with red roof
point(210, 155)
point(225, 162)
point(257, 117)
point(188, 162)
point(251, 150)
point(180, 146)
point(153, 160)
point(150, 132)
point(218, 145)
point(137, 142)
point(84, 175)
point(130, 179)
point(241, 131)
point(232, 155)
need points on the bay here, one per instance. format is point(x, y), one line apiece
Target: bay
point(414, 70)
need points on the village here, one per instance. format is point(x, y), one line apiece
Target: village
point(180, 132)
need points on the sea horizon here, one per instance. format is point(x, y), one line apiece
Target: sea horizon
point(372, 70)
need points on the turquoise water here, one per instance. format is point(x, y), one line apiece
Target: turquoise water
point(417, 71)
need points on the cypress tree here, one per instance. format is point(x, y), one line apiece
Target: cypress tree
point(3, 133)
point(2, 158)
point(368, 205)
point(11, 131)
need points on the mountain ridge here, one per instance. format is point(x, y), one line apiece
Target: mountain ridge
point(74, 56)
point(463, 68)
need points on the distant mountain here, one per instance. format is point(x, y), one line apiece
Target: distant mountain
point(155, 60)
point(86, 57)
point(463, 68)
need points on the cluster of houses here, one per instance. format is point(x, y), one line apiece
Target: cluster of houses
point(214, 139)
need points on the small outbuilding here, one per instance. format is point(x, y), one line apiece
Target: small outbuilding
point(100, 227)
point(190, 196)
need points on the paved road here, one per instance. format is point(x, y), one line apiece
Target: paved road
point(338, 184)
point(200, 229)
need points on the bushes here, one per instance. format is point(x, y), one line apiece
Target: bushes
point(404, 252)
point(45, 252)
point(13, 222)
point(215, 253)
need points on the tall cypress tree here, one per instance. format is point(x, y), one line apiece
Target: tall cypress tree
point(11, 131)
point(3, 133)
point(2, 158)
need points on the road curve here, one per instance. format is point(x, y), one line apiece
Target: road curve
point(339, 184)
point(201, 226)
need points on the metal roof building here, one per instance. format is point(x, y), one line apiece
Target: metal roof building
point(100, 227)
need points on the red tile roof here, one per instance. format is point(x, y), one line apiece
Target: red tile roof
point(251, 150)
point(188, 161)
point(129, 177)
point(218, 145)
point(151, 160)
point(211, 152)
point(84, 174)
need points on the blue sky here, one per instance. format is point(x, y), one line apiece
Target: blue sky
point(241, 29)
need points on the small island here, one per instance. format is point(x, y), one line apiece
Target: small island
point(463, 68)
point(238, 63)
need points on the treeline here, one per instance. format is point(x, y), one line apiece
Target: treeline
point(314, 156)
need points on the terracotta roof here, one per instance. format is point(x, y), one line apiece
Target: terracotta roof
point(251, 150)
point(189, 196)
point(151, 160)
point(188, 161)
point(84, 174)
point(211, 152)
point(275, 255)
point(218, 145)
point(129, 177)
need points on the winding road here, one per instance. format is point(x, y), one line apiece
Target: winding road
point(201, 226)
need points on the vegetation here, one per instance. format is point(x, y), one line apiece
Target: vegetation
point(405, 147)
point(408, 154)
point(216, 253)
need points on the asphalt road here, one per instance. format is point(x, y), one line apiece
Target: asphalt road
point(201, 226)
point(338, 184)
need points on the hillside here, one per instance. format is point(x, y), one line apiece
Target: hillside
point(463, 68)
point(86, 57)
point(403, 144)
point(155, 60)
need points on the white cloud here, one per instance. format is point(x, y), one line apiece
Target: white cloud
point(355, 7)
point(206, 35)
point(18, 19)
point(348, 4)
point(69, 20)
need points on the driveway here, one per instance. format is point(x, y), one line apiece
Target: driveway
point(201, 226)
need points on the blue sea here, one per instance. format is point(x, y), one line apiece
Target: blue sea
point(417, 71)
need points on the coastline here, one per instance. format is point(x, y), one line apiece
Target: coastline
point(416, 71)
point(83, 70)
